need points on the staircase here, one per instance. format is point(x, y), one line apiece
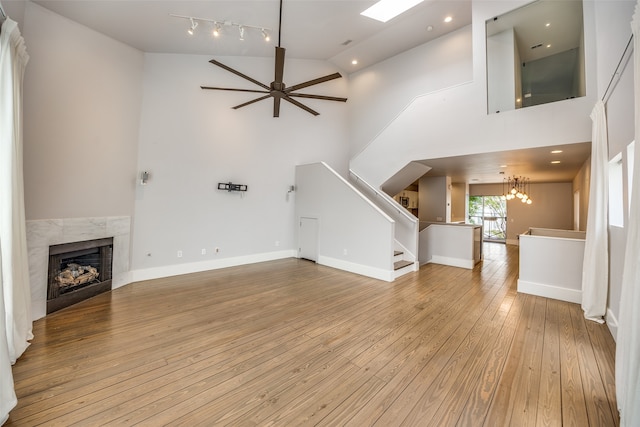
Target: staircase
point(402, 266)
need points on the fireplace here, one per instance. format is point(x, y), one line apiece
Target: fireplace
point(78, 271)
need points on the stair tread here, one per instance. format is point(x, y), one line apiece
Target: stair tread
point(401, 264)
point(396, 253)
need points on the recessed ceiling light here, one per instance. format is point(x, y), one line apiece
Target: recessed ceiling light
point(503, 166)
point(555, 162)
point(354, 62)
point(548, 24)
point(548, 46)
point(448, 19)
point(385, 10)
point(556, 152)
point(430, 28)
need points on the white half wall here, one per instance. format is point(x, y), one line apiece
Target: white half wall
point(551, 266)
point(450, 244)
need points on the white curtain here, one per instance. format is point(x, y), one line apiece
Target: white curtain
point(595, 270)
point(15, 304)
point(628, 339)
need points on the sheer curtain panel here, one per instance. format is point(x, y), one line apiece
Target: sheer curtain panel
point(595, 270)
point(14, 280)
point(628, 340)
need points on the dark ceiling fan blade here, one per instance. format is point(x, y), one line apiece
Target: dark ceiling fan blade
point(279, 72)
point(314, 82)
point(234, 90)
point(299, 104)
point(238, 73)
point(326, 98)
point(276, 106)
point(251, 102)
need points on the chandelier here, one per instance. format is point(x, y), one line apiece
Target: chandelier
point(517, 187)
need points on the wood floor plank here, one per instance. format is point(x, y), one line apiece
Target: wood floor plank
point(503, 402)
point(574, 408)
point(605, 356)
point(595, 396)
point(290, 342)
point(549, 411)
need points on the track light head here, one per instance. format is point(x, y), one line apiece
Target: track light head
point(241, 29)
point(216, 30)
point(265, 35)
point(194, 25)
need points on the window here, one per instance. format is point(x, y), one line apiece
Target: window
point(491, 213)
point(630, 157)
point(616, 217)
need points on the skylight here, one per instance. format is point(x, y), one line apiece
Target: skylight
point(385, 10)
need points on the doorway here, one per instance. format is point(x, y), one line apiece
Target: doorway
point(491, 213)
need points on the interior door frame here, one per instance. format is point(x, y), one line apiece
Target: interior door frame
point(317, 239)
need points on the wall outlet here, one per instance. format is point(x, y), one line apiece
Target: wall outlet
point(179, 254)
point(277, 243)
point(203, 251)
point(344, 252)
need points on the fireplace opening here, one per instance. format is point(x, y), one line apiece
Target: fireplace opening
point(78, 271)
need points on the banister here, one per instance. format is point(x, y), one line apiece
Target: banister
point(388, 199)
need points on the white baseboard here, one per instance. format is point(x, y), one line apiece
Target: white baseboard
point(453, 262)
point(612, 324)
point(549, 291)
point(364, 270)
point(196, 267)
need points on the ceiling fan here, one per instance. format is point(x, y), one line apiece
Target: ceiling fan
point(278, 90)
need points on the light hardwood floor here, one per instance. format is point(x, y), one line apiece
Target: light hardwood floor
point(290, 343)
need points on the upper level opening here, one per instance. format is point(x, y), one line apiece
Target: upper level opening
point(535, 55)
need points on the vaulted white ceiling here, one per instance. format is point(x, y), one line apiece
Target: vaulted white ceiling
point(331, 30)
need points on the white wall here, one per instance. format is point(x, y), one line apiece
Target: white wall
point(581, 183)
point(501, 65)
point(453, 121)
point(432, 198)
point(458, 202)
point(378, 93)
point(191, 139)
point(354, 234)
point(82, 94)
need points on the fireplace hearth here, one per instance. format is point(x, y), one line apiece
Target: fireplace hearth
point(78, 271)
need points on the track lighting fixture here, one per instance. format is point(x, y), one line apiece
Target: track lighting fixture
point(217, 26)
point(193, 27)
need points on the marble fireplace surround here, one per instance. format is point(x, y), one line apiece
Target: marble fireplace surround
point(43, 233)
